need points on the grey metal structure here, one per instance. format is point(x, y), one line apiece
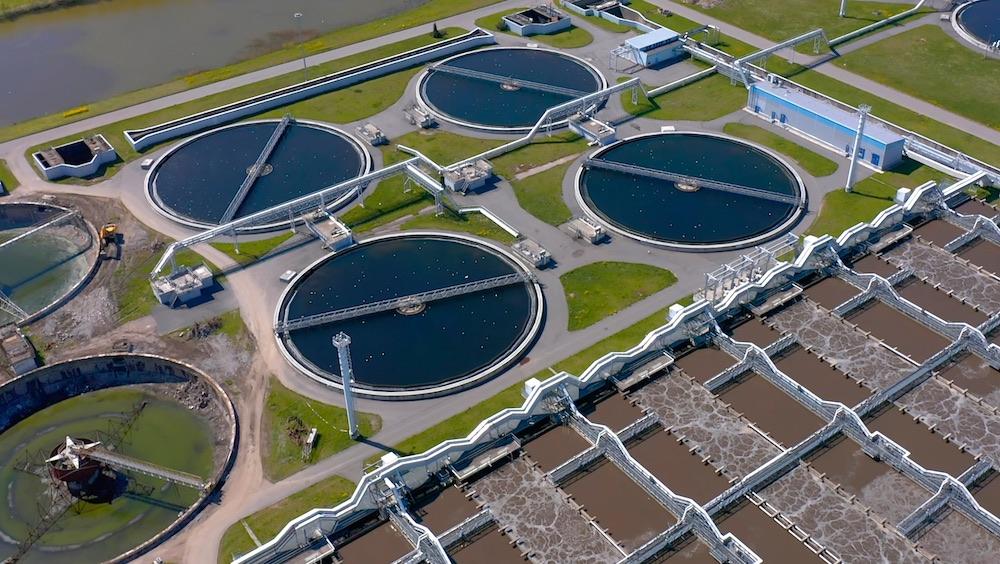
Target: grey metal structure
point(343, 343)
point(507, 80)
point(256, 169)
point(39, 227)
point(863, 110)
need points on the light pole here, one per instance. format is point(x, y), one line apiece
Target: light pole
point(297, 16)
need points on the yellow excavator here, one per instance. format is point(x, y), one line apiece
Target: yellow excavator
point(108, 234)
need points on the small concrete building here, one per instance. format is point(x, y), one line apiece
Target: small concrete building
point(18, 350)
point(826, 123)
point(654, 48)
point(468, 177)
point(535, 253)
point(540, 20)
point(182, 286)
point(80, 158)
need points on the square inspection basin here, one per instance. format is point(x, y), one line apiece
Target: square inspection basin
point(673, 464)
point(982, 253)
point(974, 374)
point(927, 448)
point(765, 536)
point(444, 509)
point(871, 264)
point(493, 547)
point(555, 446)
point(897, 330)
point(613, 411)
point(608, 495)
point(754, 331)
point(381, 544)
point(704, 363)
point(830, 292)
point(987, 493)
point(938, 232)
point(939, 303)
point(820, 378)
point(770, 409)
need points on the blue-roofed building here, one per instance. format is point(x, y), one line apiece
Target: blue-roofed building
point(826, 123)
point(656, 47)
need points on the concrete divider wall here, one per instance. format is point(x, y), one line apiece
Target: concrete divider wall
point(147, 137)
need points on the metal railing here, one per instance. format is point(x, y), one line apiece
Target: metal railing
point(147, 468)
point(38, 227)
point(8, 306)
point(255, 170)
point(508, 80)
point(694, 181)
point(401, 301)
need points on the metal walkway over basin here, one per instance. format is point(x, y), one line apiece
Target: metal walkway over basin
point(694, 181)
point(255, 170)
point(139, 466)
point(401, 301)
point(38, 227)
point(500, 79)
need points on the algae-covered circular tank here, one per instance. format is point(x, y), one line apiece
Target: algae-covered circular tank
point(47, 252)
point(505, 88)
point(143, 407)
point(429, 347)
point(195, 182)
point(691, 191)
point(978, 22)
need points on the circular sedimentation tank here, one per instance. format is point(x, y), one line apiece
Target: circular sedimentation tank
point(978, 22)
point(419, 349)
point(194, 182)
point(719, 192)
point(143, 407)
point(505, 89)
point(41, 269)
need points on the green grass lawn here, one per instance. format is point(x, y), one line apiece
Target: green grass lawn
point(606, 25)
point(597, 290)
point(287, 410)
point(571, 38)
point(269, 521)
point(7, 177)
point(784, 19)
point(704, 100)
point(813, 163)
point(252, 251)
point(350, 104)
point(474, 223)
point(541, 195)
point(463, 423)
point(928, 63)
point(426, 13)
point(132, 292)
point(841, 209)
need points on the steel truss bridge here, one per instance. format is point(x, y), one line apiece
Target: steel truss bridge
point(255, 170)
point(508, 80)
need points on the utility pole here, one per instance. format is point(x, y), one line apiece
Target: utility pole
point(297, 16)
point(843, 8)
point(343, 343)
point(863, 110)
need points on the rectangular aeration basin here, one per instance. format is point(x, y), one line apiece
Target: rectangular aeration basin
point(987, 493)
point(765, 536)
point(381, 544)
point(871, 264)
point(629, 514)
point(898, 331)
point(692, 552)
point(820, 378)
point(938, 232)
point(976, 207)
point(443, 509)
point(830, 292)
point(939, 303)
point(555, 446)
point(491, 546)
point(972, 373)
point(982, 253)
point(754, 331)
point(927, 448)
point(673, 464)
point(613, 411)
point(771, 410)
point(705, 363)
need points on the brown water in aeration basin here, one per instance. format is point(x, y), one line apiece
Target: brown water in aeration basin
point(831, 292)
point(613, 411)
point(975, 375)
point(939, 303)
point(820, 378)
point(492, 547)
point(765, 537)
point(938, 232)
point(871, 264)
point(754, 331)
point(898, 330)
point(629, 514)
point(555, 446)
point(771, 410)
point(955, 538)
point(381, 544)
point(982, 253)
point(674, 465)
point(876, 484)
point(976, 207)
point(927, 448)
point(444, 509)
point(704, 363)
point(987, 493)
point(693, 552)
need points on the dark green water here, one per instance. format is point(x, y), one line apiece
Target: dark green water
point(166, 433)
point(198, 180)
point(483, 102)
point(450, 339)
point(658, 210)
point(982, 19)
